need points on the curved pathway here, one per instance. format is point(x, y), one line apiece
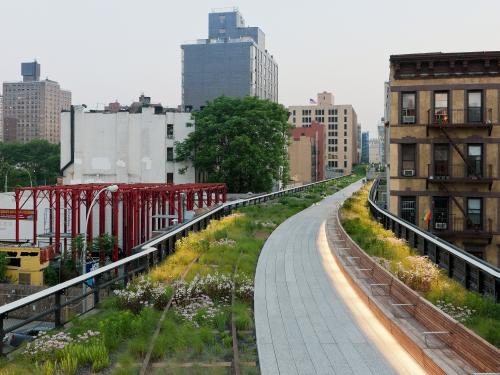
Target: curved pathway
point(308, 319)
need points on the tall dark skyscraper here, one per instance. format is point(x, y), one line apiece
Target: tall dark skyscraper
point(233, 61)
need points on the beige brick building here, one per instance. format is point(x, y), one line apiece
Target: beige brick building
point(32, 108)
point(341, 127)
point(445, 146)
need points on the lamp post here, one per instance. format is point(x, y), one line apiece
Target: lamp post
point(112, 189)
point(21, 168)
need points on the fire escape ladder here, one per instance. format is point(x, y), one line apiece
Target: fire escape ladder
point(469, 167)
point(443, 187)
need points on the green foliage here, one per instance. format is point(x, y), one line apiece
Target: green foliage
point(241, 142)
point(50, 276)
point(3, 266)
point(39, 157)
point(69, 364)
point(399, 258)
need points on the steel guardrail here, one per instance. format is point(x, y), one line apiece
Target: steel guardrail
point(159, 246)
point(488, 278)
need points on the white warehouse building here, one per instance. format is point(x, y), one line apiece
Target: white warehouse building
point(132, 146)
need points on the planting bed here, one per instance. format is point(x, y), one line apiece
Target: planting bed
point(475, 311)
point(205, 290)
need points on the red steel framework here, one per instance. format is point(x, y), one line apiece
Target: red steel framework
point(145, 208)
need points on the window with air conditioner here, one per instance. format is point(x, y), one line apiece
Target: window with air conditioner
point(408, 160)
point(408, 108)
point(440, 213)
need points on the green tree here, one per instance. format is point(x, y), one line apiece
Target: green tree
point(39, 158)
point(241, 142)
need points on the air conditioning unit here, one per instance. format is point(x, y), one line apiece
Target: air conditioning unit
point(408, 172)
point(408, 119)
point(441, 225)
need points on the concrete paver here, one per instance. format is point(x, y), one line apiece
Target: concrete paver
point(303, 325)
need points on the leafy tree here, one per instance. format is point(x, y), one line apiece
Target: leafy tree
point(241, 142)
point(40, 158)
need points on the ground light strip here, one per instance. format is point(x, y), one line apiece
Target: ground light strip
point(400, 360)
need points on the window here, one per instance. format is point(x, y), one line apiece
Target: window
point(441, 114)
point(170, 154)
point(345, 112)
point(408, 108)
point(170, 131)
point(474, 213)
point(474, 106)
point(319, 112)
point(345, 119)
point(320, 119)
point(222, 31)
point(345, 134)
point(345, 141)
point(222, 18)
point(345, 126)
point(408, 157)
point(440, 213)
point(408, 209)
point(441, 157)
point(170, 178)
point(345, 164)
point(475, 159)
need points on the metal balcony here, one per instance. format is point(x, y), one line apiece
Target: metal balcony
point(470, 118)
point(463, 228)
point(442, 172)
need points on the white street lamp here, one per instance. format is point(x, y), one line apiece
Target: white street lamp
point(112, 189)
point(21, 168)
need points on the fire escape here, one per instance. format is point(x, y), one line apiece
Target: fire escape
point(470, 172)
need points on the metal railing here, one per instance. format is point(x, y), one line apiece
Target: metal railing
point(474, 273)
point(118, 273)
point(443, 171)
point(470, 116)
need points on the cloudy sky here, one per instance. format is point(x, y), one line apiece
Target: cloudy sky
point(104, 50)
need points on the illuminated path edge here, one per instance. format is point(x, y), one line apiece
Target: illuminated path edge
point(308, 318)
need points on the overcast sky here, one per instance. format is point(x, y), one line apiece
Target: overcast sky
point(104, 50)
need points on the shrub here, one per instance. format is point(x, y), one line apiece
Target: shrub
point(419, 274)
point(141, 292)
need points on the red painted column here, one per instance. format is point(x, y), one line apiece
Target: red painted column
point(88, 199)
point(130, 223)
point(209, 197)
point(154, 196)
point(136, 218)
point(164, 209)
point(114, 224)
point(216, 191)
point(17, 215)
point(51, 215)
point(58, 221)
point(200, 198)
point(190, 200)
point(143, 207)
point(102, 223)
point(179, 207)
point(74, 212)
point(125, 219)
point(35, 214)
point(171, 206)
point(65, 222)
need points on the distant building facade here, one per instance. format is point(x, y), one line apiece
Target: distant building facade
point(365, 147)
point(381, 141)
point(32, 108)
point(374, 151)
point(445, 147)
point(233, 61)
point(307, 154)
point(341, 127)
point(132, 146)
point(1, 118)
